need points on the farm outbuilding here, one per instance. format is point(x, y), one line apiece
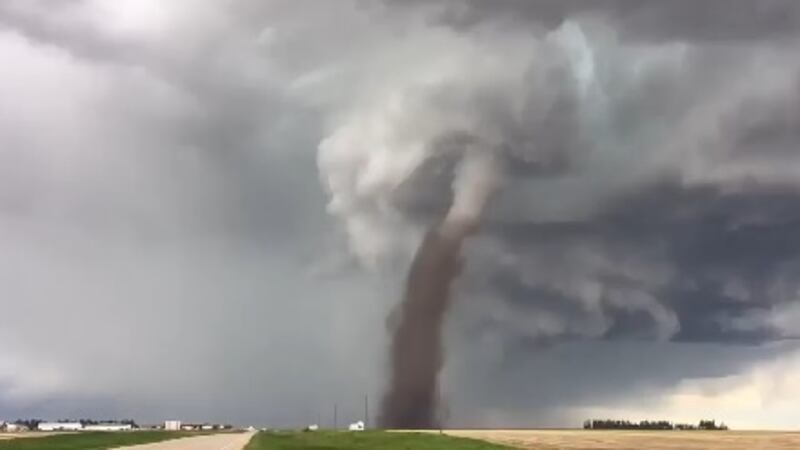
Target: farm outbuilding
point(108, 427)
point(7, 427)
point(13, 427)
point(357, 426)
point(60, 426)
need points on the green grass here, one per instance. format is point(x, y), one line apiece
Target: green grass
point(366, 440)
point(90, 440)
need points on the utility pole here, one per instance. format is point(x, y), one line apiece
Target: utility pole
point(366, 411)
point(443, 412)
point(335, 412)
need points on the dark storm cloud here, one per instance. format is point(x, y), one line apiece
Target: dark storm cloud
point(712, 241)
point(713, 20)
point(651, 196)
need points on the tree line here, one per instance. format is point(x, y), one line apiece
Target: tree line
point(609, 424)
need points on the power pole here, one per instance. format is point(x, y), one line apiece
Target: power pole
point(366, 411)
point(335, 412)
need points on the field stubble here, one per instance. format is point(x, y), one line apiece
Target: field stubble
point(636, 440)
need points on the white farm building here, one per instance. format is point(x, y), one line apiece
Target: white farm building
point(108, 427)
point(13, 427)
point(60, 426)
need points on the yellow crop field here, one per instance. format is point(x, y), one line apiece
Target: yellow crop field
point(636, 440)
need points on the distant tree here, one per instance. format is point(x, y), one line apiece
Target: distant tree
point(616, 424)
point(130, 422)
point(711, 425)
point(31, 424)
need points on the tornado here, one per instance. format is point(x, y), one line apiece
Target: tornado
point(417, 352)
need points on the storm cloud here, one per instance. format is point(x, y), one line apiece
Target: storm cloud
point(653, 20)
point(206, 211)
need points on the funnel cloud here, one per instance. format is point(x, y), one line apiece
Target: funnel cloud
point(417, 353)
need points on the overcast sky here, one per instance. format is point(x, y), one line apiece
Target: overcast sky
point(207, 208)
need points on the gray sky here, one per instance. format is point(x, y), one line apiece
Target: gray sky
point(207, 210)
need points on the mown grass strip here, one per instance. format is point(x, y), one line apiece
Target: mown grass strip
point(366, 440)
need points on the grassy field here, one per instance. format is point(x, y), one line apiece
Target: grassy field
point(636, 440)
point(367, 440)
point(89, 440)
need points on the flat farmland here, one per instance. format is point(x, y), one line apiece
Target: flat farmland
point(636, 440)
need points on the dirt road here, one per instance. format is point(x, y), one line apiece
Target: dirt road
point(4, 436)
point(227, 441)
